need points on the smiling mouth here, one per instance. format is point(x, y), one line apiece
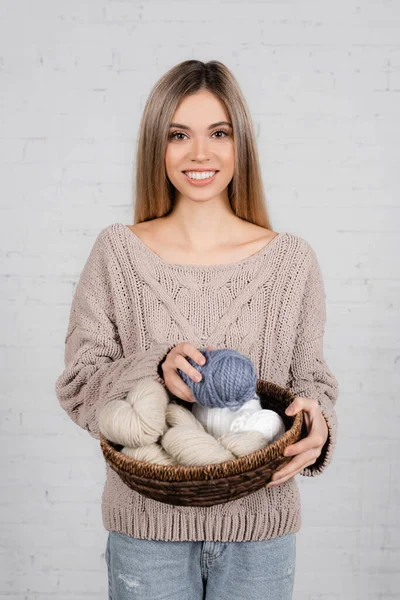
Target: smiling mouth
point(200, 174)
point(200, 181)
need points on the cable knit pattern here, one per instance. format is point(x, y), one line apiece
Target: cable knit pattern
point(130, 307)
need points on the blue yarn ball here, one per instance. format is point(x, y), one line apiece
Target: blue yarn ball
point(229, 379)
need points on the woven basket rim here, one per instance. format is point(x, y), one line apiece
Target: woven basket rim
point(214, 471)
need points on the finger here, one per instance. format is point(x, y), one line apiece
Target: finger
point(178, 387)
point(312, 442)
point(295, 463)
point(189, 350)
point(301, 403)
point(279, 481)
point(294, 466)
point(187, 368)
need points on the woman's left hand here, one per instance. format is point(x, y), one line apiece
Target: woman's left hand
point(307, 450)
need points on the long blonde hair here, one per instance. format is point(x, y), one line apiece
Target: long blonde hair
point(154, 192)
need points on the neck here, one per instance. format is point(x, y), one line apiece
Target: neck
point(202, 224)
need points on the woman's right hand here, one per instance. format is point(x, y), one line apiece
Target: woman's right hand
point(176, 358)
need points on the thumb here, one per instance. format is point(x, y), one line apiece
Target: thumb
point(293, 408)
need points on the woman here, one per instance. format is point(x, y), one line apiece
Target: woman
point(201, 267)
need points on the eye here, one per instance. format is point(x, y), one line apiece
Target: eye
point(172, 136)
point(222, 131)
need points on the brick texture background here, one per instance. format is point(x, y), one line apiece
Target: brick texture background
point(322, 80)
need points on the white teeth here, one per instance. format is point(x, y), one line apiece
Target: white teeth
point(200, 175)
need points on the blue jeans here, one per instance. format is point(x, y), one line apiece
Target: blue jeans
point(158, 570)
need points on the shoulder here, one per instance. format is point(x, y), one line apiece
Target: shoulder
point(101, 269)
point(107, 233)
point(299, 246)
point(107, 238)
point(301, 258)
point(102, 248)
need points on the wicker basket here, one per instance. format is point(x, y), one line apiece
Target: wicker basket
point(215, 483)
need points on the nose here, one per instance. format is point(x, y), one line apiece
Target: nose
point(199, 149)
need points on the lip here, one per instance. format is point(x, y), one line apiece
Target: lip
point(200, 182)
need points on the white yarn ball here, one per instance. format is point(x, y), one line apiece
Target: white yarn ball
point(266, 421)
point(217, 421)
point(243, 414)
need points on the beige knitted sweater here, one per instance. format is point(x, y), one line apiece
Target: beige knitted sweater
point(130, 307)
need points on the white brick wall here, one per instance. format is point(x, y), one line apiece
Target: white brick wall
point(323, 83)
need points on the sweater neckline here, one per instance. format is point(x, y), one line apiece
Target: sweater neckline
point(221, 266)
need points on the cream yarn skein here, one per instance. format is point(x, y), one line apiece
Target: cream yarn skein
point(176, 414)
point(153, 453)
point(155, 430)
point(138, 420)
point(242, 443)
point(191, 445)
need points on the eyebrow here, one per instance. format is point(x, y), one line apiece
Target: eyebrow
point(209, 127)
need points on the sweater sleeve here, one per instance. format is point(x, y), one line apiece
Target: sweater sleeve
point(96, 370)
point(310, 375)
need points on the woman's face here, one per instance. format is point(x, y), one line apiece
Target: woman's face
point(197, 143)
